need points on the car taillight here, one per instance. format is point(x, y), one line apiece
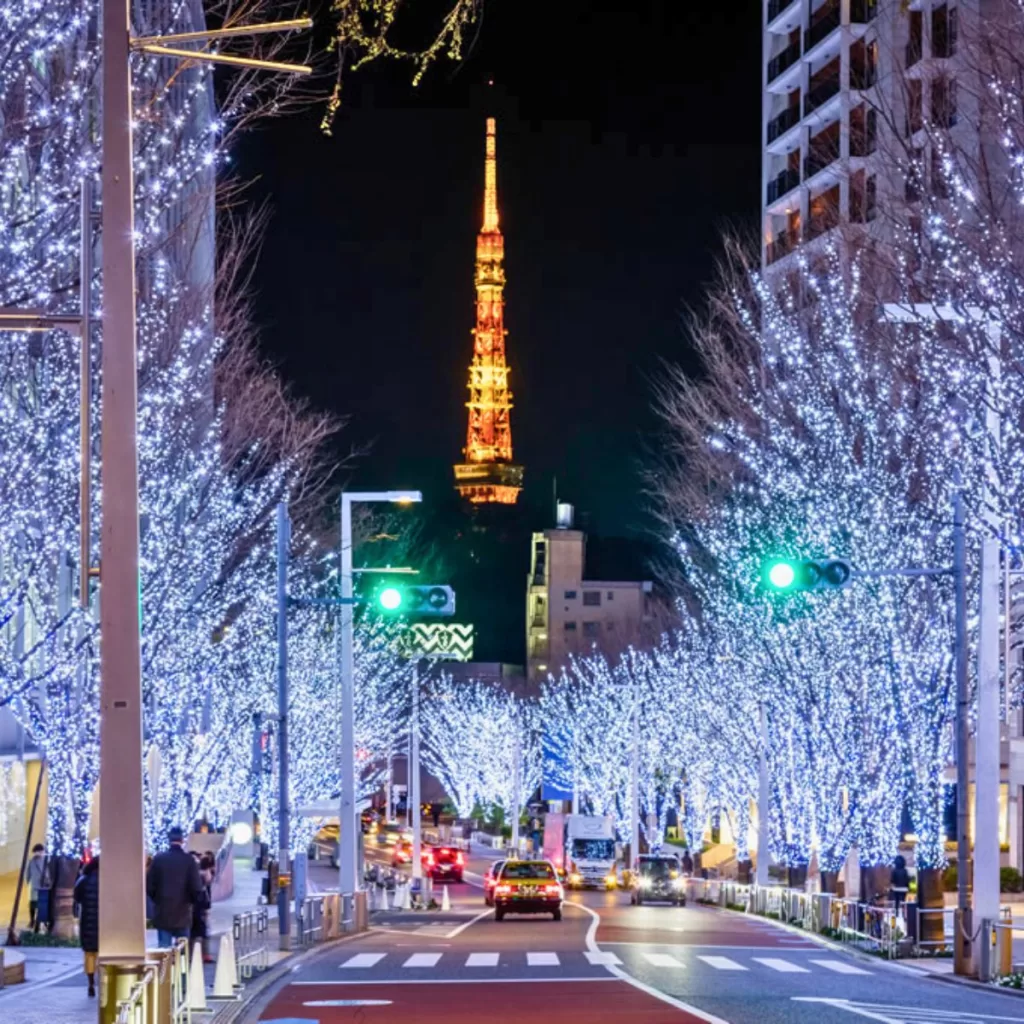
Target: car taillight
point(503, 889)
point(429, 858)
point(459, 859)
point(552, 890)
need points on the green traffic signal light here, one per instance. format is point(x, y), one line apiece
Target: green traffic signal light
point(390, 599)
point(782, 575)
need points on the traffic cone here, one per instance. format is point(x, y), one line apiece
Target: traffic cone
point(224, 976)
point(383, 897)
point(196, 981)
point(446, 903)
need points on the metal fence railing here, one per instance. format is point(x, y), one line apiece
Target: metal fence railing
point(252, 952)
point(160, 994)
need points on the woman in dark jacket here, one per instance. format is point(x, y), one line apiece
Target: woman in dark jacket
point(87, 903)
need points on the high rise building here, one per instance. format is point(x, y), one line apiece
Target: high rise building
point(488, 475)
point(837, 76)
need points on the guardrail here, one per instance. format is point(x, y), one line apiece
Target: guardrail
point(251, 950)
point(161, 992)
point(318, 919)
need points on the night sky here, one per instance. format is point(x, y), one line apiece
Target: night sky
point(628, 137)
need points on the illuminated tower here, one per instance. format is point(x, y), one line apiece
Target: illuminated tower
point(488, 476)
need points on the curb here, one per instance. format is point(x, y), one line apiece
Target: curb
point(897, 965)
point(230, 1012)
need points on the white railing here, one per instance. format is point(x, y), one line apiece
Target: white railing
point(160, 995)
point(251, 950)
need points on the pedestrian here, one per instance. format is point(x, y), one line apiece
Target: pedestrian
point(87, 907)
point(174, 884)
point(899, 882)
point(201, 908)
point(37, 875)
point(687, 863)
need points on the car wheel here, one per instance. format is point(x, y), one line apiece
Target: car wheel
point(499, 913)
point(557, 914)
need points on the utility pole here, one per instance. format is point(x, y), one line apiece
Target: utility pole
point(122, 909)
point(517, 791)
point(634, 785)
point(414, 781)
point(284, 924)
point(763, 800)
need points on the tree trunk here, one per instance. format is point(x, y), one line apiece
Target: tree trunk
point(62, 896)
point(930, 896)
point(874, 882)
point(796, 876)
point(744, 872)
point(830, 881)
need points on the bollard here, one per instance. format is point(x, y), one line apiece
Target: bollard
point(197, 982)
point(446, 903)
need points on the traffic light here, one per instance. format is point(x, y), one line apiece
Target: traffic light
point(787, 575)
point(421, 599)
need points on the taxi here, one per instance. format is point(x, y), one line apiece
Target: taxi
point(527, 887)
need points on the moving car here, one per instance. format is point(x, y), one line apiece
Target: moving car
point(658, 878)
point(527, 887)
point(390, 833)
point(443, 863)
point(491, 880)
point(402, 853)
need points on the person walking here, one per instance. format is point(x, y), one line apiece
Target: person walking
point(201, 908)
point(899, 883)
point(37, 875)
point(687, 863)
point(87, 907)
point(174, 885)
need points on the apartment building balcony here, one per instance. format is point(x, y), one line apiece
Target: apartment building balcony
point(820, 94)
point(823, 214)
point(782, 245)
point(819, 158)
point(863, 11)
point(782, 184)
point(782, 123)
point(863, 132)
point(912, 52)
point(824, 21)
point(776, 8)
point(782, 62)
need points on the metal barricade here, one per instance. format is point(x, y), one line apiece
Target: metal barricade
point(135, 1009)
point(310, 923)
point(181, 1007)
point(932, 946)
point(251, 952)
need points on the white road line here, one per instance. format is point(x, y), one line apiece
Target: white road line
point(599, 959)
point(482, 960)
point(422, 960)
point(839, 966)
point(542, 959)
point(473, 920)
point(364, 960)
point(784, 966)
point(623, 975)
point(722, 963)
point(534, 979)
point(662, 960)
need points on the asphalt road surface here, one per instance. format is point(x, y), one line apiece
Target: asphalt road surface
point(608, 962)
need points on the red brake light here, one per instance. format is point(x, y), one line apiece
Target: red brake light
point(428, 857)
point(459, 859)
point(503, 889)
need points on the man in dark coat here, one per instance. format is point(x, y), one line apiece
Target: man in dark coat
point(174, 884)
point(87, 903)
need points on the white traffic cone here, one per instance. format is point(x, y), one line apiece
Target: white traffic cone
point(446, 903)
point(224, 976)
point(406, 897)
point(383, 897)
point(196, 981)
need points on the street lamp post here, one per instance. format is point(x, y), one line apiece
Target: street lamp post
point(284, 799)
point(348, 831)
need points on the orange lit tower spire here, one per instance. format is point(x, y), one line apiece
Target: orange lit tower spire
point(488, 476)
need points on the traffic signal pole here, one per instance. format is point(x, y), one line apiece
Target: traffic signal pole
point(414, 781)
point(284, 924)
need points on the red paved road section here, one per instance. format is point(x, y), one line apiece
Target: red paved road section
point(597, 1002)
point(665, 925)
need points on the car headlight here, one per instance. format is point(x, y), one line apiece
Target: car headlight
point(575, 878)
point(610, 880)
point(644, 883)
point(679, 883)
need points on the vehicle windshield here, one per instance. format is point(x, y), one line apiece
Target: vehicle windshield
point(593, 849)
point(527, 869)
point(661, 868)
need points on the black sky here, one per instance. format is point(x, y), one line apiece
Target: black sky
point(628, 136)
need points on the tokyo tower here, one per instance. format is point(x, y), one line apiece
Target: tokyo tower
point(488, 475)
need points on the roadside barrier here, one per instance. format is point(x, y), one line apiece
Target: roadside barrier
point(250, 937)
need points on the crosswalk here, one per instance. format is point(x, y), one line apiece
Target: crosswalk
point(634, 956)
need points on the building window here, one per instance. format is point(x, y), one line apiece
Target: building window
point(570, 595)
point(609, 625)
point(611, 595)
point(944, 112)
point(592, 629)
point(592, 598)
point(570, 627)
point(915, 109)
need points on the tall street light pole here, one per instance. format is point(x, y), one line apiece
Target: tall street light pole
point(348, 825)
point(284, 810)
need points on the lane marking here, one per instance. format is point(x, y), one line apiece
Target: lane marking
point(534, 980)
point(346, 1002)
point(839, 966)
point(482, 960)
point(422, 959)
point(783, 966)
point(541, 959)
point(702, 945)
point(722, 963)
point(902, 1013)
point(364, 960)
point(662, 960)
point(623, 975)
point(599, 959)
point(473, 920)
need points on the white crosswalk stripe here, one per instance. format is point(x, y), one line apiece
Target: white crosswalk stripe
point(839, 966)
point(600, 959)
point(542, 959)
point(364, 960)
point(422, 960)
point(784, 966)
point(662, 960)
point(482, 960)
point(722, 963)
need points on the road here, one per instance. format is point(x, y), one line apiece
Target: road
point(609, 962)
